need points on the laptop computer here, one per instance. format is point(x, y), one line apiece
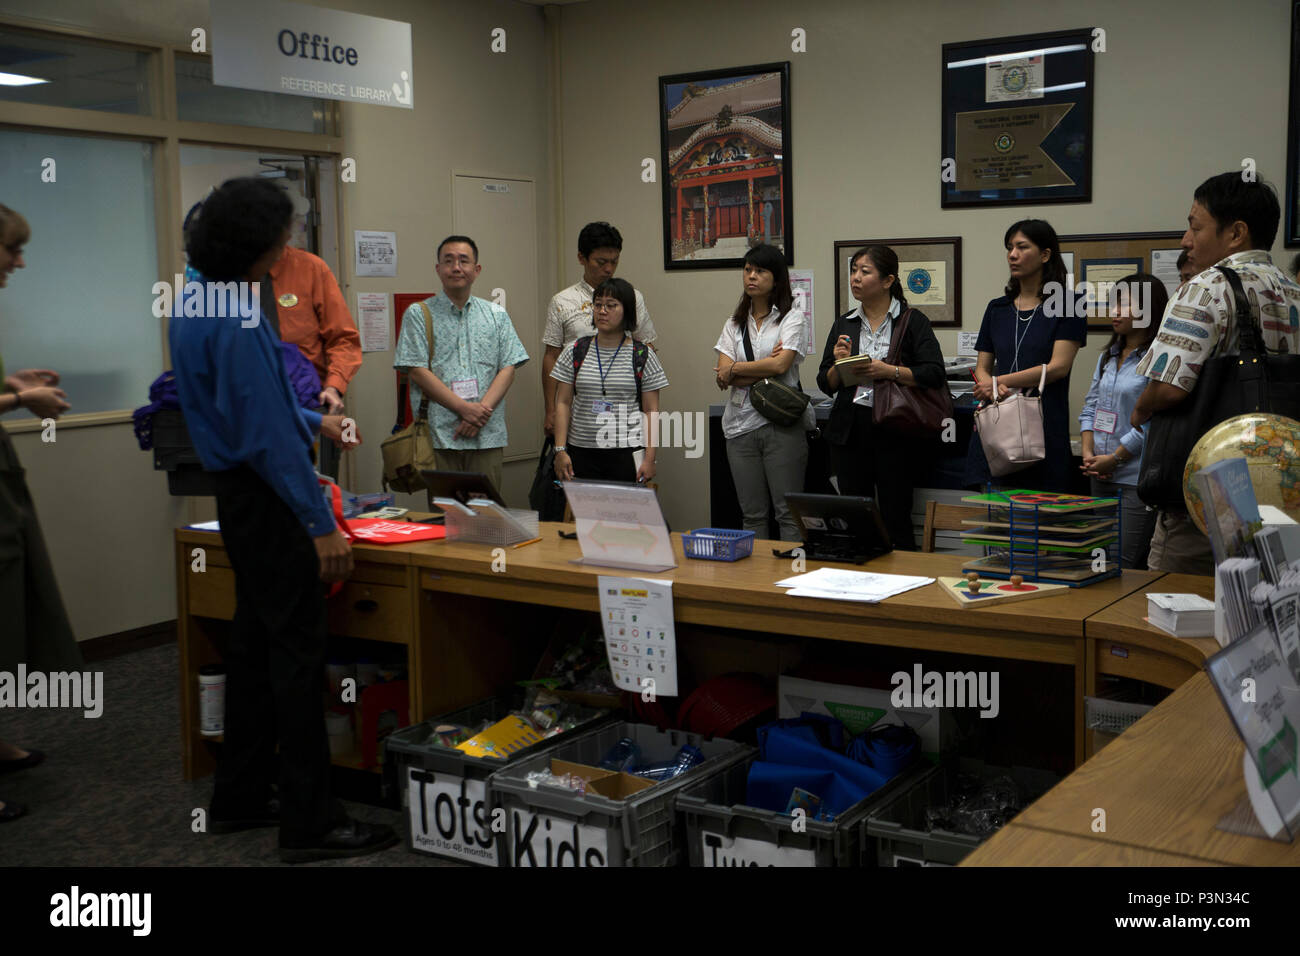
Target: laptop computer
point(840, 528)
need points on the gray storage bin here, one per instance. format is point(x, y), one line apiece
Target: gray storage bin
point(449, 776)
point(896, 833)
point(715, 815)
point(548, 826)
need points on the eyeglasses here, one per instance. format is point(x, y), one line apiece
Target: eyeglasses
point(605, 306)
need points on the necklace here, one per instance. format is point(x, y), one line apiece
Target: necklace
point(1021, 336)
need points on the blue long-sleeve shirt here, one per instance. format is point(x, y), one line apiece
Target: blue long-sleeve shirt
point(1116, 389)
point(238, 405)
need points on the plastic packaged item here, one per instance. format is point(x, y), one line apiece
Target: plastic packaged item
point(977, 810)
point(801, 799)
point(567, 781)
point(624, 755)
point(686, 758)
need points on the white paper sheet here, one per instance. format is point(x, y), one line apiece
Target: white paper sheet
point(373, 320)
point(637, 616)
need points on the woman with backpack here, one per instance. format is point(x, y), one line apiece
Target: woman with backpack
point(607, 393)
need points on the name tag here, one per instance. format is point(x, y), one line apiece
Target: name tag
point(739, 397)
point(1104, 421)
point(465, 388)
point(865, 395)
point(600, 406)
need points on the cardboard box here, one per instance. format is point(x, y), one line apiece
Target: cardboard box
point(860, 708)
point(607, 783)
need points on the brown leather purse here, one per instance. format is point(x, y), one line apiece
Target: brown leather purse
point(909, 408)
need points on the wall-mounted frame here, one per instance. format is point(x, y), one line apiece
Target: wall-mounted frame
point(1108, 257)
point(725, 164)
point(1292, 217)
point(1017, 120)
point(930, 270)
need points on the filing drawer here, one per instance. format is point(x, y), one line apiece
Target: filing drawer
point(378, 612)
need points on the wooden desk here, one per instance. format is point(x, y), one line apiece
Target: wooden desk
point(1019, 845)
point(1164, 784)
point(1123, 644)
point(380, 602)
point(742, 596)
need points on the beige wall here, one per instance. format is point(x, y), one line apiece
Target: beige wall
point(865, 124)
point(106, 514)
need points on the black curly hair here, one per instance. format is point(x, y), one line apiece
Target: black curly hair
point(235, 226)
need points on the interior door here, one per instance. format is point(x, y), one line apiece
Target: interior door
point(500, 215)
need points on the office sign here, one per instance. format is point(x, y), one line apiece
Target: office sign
point(311, 51)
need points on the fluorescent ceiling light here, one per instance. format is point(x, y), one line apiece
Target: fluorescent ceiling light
point(18, 79)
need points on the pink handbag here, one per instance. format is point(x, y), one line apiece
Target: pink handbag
point(1011, 430)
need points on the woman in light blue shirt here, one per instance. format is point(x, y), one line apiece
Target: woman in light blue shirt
point(1112, 449)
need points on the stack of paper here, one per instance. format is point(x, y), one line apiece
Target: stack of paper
point(1183, 615)
point(838, 585)
point(1237, 578)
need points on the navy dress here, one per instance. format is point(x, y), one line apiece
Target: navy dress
point(1000, 330)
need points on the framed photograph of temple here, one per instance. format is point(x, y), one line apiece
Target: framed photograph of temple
point(1017, 120)
point(725, 164)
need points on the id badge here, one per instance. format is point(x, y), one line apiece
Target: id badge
point(600, 406)
point(1104, 421)
point(739, 397)
point(466, 389)
point(864, 395)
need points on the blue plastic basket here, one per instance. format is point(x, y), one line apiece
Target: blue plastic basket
point(718, 544)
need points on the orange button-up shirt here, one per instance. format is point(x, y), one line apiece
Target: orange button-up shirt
point(318, 322)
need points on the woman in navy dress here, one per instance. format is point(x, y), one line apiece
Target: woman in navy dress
point(1022, 331)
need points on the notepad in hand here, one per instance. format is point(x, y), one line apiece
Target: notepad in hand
point(1183, 615)
point(854, 367)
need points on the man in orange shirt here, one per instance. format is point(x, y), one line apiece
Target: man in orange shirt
point(315, 317)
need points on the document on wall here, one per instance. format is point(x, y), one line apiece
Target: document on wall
point(376, 253)
point(637, 615)
point(372, 320)
point(801, 287)
point(1164, 266)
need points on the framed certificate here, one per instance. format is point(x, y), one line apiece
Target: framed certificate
point(930, 270)
point(1017, 120)
point(725, 165)
point(1103, 259)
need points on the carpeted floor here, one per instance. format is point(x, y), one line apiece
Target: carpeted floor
point(110, 791)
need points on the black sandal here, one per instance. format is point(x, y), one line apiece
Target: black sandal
point(33, 758)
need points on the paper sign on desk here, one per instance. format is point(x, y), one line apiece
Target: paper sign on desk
point(637, 616)
point(1261, 696)
point(620, 526)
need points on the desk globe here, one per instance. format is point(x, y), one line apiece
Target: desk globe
point(1271, 446)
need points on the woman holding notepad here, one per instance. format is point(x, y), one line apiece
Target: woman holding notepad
point(869, 459)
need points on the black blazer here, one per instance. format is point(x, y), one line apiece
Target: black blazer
point(920, 353)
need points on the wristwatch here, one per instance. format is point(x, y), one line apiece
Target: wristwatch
point(898, 371)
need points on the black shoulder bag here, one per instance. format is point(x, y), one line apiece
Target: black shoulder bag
point(1228, 386)
point(777, 402)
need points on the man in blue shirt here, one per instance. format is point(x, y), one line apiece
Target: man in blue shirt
point(276, 527)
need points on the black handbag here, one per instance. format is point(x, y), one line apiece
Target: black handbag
point(1228, 386)
point(544, 497)
point(777, 402)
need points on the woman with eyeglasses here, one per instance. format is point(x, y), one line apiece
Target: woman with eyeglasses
point(36, 630)
point(765, 339)
point(607, 395)
point(1022, 331)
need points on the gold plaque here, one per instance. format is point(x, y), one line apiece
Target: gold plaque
point(288, 300)
point(1000, 149)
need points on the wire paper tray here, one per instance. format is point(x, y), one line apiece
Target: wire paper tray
point(718, 544)
point(486, 522)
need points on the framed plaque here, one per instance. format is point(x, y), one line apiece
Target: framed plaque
point(1100, 260)
point(1292, 218)
point(930, 270)
point(725, 165)
point(1017, 120)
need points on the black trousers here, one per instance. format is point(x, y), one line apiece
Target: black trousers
point(603, 464)
point(275, 665)
point(881, 464)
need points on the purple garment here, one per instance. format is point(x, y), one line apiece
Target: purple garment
point(162, 393)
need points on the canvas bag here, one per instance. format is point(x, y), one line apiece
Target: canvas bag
point(777, 402)
point(409, 451)
point(1011, 430)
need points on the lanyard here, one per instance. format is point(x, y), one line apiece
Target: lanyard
point(1020, 336)
point(600, 366)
